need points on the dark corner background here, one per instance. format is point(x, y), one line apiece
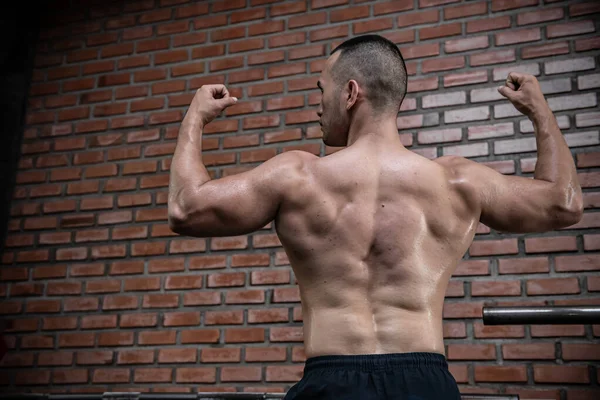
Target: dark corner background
point(19, 28)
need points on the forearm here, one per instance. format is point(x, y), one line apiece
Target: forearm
point(554, 160)
point(187, 169)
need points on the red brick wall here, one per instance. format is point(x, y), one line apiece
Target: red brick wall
point(99, 293)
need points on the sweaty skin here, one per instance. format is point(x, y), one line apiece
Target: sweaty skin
point(374, 231)
point(373, 235)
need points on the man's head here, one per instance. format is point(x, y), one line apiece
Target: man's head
point(366, 71)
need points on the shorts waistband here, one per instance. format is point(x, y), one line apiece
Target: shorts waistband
point(376, 362)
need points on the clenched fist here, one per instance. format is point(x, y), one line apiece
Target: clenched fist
point(209, 101)
point(524, 93)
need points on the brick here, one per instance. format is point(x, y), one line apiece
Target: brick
point(138, 320)
point(440, 136)
point(569, 29)
point(263, 58)
point(315, 4)
point(248, 15)
point(195, 375)
point(572, 102)
point(591, 242)
point(103, 286)
point(264, 354)
point(484, 331)
point(242, 374)
point(264, 28)
point(212, 21)
point(432, 3)
point(488, 24)
point(113, 339)
point(471, 352)
point(446, 99)
point(588, 81)
point(465, 44)
point(466, 78)
point(440, 31)
point(286, 295)
point(560, 374)
point(112, 375)
point(287, 40)
point(120, 303)
point(288, 8)
point(496, 288)
point(552, 286)
point(587, 44)
point(95, 40)
point(306, 52)
point(501, 5)
point(137, 33)
point(587, 119)
point(557, 330)
point(142, 284)
point(226, 63)
point(80, 304)
point(39, 377)
point(588, 262)
point(490, 131)
point(114, 79)
point(135, 357)
point(181, 319)
point(483, 95)
point(515, 146)
point(346, 14)
point(55, 358)
point(154, 16)
point(577, 9)
point(419, 51)
point(580, 351)
point(570, 65)
point(443, 64)
point(328, 33)
point(76, 340)
point(146, 375)
point(468, 114)
point(372, 25)
point(518, 36)
point(169, 356)
point(484, 373)
point(287, 69)
point(535, 17)
point(160, 301)
point(530, 351)
point(156, 337)
point(550, 244)
point(94, 357)
point(467, 10)
point(256, 316)
point(37, 342)
point(492, 57)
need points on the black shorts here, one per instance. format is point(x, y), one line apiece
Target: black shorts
point(401, 376)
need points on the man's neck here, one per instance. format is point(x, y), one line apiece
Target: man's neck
point(380, 128)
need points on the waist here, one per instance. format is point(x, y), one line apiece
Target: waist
point(376, 362)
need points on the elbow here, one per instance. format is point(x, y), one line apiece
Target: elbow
point(569, 213)
point(573, 215)
point(176, 218)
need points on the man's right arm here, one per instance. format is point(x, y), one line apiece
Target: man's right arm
point(550, 201)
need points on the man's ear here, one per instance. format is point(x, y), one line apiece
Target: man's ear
point(353, 92)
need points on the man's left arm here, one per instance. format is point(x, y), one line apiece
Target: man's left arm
point(230, 206)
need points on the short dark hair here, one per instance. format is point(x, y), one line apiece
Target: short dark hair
point(376, 63)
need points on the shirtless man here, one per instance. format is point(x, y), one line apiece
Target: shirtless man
point(374, 231)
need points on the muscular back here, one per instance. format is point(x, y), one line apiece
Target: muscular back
point(373, 235)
